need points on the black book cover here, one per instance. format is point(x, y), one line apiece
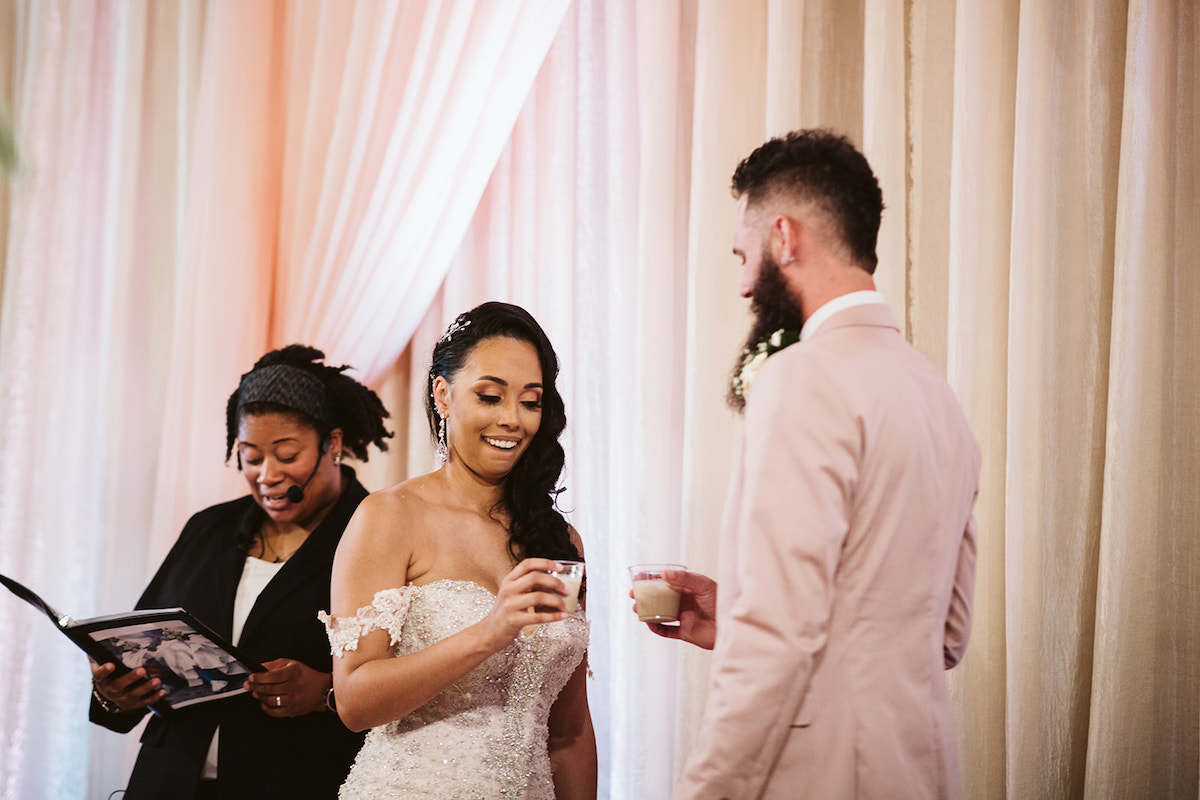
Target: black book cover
point(195, 663)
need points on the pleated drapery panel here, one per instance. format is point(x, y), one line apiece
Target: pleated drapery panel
point(397, 115)
point(202, 180)
point(101, 108)
point(368, 131)
point(1045, 188)
point(1142, 738)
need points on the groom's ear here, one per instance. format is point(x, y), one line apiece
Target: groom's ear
point(786, 239)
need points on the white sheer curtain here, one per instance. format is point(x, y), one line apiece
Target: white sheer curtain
point(1142, 730)
point(397, 113)
point(204, 179)
point(340, 150)
point(1039, 163)
point(557, 233)
point(140, 271)
point(88, 292)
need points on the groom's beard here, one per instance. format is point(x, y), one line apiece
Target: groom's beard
point(774, 309)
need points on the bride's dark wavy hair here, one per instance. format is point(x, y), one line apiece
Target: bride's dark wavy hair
point(536, 528)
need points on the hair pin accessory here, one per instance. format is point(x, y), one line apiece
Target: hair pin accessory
point(454, 328)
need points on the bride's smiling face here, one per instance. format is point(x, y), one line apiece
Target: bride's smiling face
point(492, 406)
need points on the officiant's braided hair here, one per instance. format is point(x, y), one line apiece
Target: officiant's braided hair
point(536, 528)
point(825, 169)
point(292, 381)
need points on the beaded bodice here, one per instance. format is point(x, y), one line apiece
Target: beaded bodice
point(483, 737)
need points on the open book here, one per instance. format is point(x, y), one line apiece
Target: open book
point(194, 663)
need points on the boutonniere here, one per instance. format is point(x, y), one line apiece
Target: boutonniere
point(754, 357)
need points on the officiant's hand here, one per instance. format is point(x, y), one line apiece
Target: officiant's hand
point(128, 692)
point(289, 688)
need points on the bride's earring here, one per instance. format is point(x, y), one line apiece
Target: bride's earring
point(443, 451)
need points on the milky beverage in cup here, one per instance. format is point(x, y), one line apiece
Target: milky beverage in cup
point(656, 600)
point(571, 574)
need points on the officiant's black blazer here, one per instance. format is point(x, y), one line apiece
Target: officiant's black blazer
point(258, 756)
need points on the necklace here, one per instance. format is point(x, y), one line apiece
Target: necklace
point(276, 557)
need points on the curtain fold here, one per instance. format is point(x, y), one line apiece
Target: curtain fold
point(203, 180)
point(648, 673)
point(225, 256)
point(1060, 304)
point(365, 132)
point(82, 354)
point(554, 233)
point(1142, 737)
point(45, 540)
point(399, 112)
point(961, 203)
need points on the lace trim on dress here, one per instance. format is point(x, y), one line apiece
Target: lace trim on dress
point(386, 612)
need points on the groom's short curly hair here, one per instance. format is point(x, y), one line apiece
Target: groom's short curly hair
point(823, 169)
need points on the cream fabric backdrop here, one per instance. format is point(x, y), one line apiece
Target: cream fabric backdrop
point(142, 271)
point(1039, 162)
point(89, 278)
point(366, 132)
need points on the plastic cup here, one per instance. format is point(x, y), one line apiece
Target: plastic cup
point(656, 600)
point(570, 573)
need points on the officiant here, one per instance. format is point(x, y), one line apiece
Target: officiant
point(256, 570)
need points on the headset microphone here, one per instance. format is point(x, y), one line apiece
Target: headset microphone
point(296, 493)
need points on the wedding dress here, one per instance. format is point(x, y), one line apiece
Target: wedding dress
point(483, 737)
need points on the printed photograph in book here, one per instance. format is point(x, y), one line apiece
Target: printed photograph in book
point(192, 667)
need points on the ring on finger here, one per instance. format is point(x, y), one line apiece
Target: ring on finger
point(279, 701)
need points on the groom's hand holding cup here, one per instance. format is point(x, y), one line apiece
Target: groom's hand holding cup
point(675, 603)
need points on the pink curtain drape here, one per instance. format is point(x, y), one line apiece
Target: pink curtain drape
point(397, 115)
point(552, 233)
point(89, 254)
point(140, 268)
point(340, 150)
point(199, 181)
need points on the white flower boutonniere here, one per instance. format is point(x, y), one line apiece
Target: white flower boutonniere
point(753, 359)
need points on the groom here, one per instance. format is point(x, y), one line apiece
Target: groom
point(848, 546)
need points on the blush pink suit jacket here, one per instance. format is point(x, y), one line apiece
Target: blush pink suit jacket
point(846, 579)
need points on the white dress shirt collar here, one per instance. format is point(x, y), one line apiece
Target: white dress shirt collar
point(840, 303)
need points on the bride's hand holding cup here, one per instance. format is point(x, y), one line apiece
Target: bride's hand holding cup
point(529, 595)
point(571, 574)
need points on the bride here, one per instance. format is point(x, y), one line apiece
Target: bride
point(452, 639)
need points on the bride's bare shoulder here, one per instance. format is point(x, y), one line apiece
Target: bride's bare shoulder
point(397, 510)
point(413, 496)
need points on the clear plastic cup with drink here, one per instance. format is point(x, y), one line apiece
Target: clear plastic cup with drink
point(655, 599)
point(570, 573)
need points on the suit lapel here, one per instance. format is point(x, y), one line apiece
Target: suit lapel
point(215, 607)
